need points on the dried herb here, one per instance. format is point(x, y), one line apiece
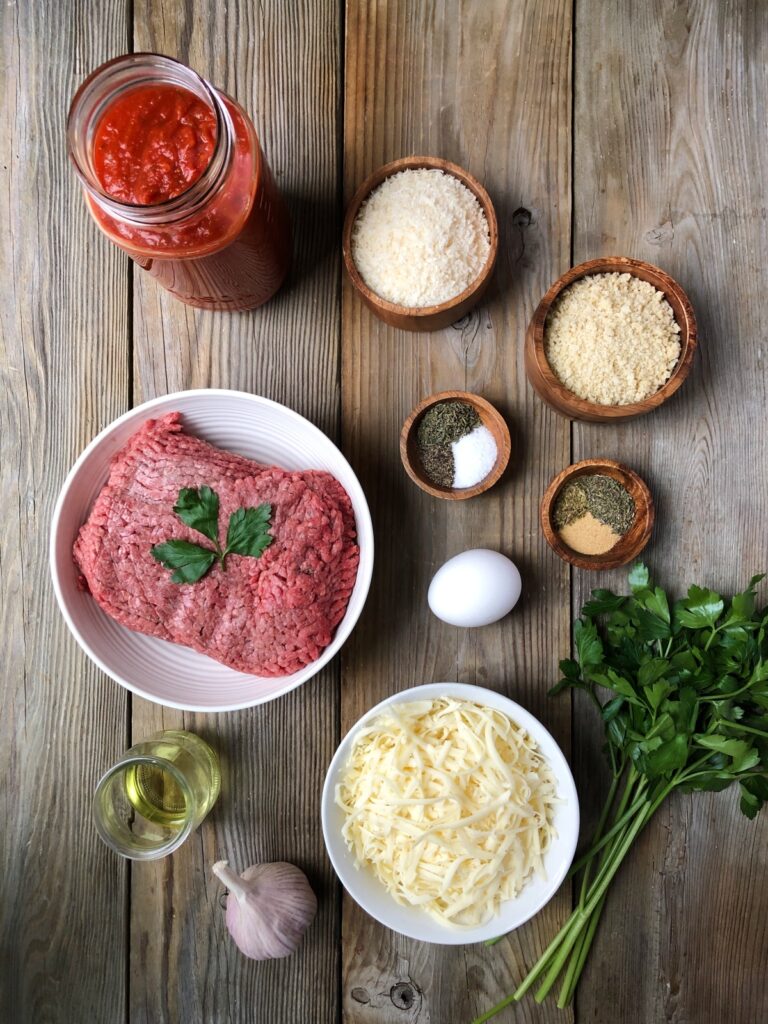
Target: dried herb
point(437, 460)
point(440, 426)
point(445, 423)
point(571, 505)
point(607, 500)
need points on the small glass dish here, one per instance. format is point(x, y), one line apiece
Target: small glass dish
point(148, 803)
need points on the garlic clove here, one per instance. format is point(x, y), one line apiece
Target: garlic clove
point(269, 907)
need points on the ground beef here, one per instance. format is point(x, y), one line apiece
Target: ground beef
point(268, 616)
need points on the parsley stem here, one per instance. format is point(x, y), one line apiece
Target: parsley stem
point(727, 696)
point(743, 728)
point(598, 833)
point(579, 957)
point(557, 952)
point(559, 961)
point(613, 859)
point(576, 962)
point(575, 919)
point(712, 635)
point(597, 891)
point(600, 841)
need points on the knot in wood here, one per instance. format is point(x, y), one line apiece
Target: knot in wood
point(522, 218)
point(402, 995)
point(360, 995)
point(460, 324)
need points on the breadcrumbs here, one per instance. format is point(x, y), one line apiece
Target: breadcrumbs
point(612, 339)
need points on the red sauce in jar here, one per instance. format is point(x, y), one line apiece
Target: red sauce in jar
point(151, 145)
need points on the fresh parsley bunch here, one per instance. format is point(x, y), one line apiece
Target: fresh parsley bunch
point(247, 534)
point(686, 708)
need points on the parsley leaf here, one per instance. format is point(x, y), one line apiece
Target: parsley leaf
point(701, 608)
point(588, 645)
point(190, 562)
point(638, 577)
point(602, 601)
point(248, 532)
point(199, 509)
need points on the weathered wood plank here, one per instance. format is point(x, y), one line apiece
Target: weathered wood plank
point(669, 139)
point(282, 64)
point(63, 376)
point(486, 85)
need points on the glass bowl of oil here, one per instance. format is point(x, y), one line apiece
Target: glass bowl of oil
point(148, 803)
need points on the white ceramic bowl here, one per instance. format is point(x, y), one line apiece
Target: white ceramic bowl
point(156, 669)
point(364, 887)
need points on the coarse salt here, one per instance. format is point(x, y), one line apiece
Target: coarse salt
point(420, 238)
point(474, 456)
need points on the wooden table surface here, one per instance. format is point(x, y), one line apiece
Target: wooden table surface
point(599, 127)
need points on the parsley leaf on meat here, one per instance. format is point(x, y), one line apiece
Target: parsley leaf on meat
point(190, 562)
point(248, 532)
point(198, 508)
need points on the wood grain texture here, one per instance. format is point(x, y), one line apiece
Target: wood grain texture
point(63, 376)
point(281, 61)
point(671, 132)
point(485, 85)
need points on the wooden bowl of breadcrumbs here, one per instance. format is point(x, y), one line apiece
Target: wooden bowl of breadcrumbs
point(615, 346)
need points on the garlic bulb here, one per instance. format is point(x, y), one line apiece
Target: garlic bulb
point(269, 908)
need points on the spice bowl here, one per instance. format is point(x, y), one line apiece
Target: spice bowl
point(552, 391)
point(422, 318)
point(629, 546)
point(489, 417)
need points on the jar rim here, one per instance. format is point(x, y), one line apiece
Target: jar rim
point(199, 191)
point(173, 842)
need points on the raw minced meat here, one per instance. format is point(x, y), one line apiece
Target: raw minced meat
point(268, 616)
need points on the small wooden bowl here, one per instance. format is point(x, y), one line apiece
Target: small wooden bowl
point(422, 318)
point(633, 541)
point(489, 417)
point(556, 395)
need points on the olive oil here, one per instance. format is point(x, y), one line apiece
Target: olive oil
point(149, 802)
point(155, 794)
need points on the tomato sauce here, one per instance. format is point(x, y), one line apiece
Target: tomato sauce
point(151, 145)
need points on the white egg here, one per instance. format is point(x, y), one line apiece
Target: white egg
point(475, 588)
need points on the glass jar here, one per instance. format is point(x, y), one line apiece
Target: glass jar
point(147, 803)
point(224, 242)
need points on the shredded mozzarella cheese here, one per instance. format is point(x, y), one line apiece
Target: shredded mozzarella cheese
point(450, 804)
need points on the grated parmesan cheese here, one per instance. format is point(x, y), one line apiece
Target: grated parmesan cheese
point(420, 238)
point(450, 804)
